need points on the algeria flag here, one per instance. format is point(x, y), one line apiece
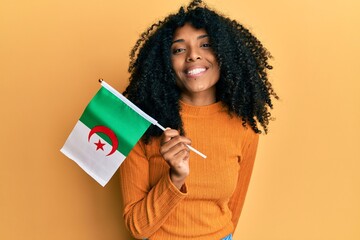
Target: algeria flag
point(105, 134)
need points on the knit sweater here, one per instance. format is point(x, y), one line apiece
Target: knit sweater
point(215, 189)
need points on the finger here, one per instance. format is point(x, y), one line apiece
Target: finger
point(171, 153)
point(183, 154)
point(179, 160)
point(168, 134)
point(178, 140)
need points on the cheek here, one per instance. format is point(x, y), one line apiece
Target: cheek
point(176, 66)
point(214, 62)
point(217, 71)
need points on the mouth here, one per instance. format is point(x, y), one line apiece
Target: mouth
point(195, 72)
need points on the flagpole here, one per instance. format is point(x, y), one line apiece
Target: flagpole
point(140, 112)
point(190, 147)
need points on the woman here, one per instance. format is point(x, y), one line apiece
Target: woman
point(204, 76)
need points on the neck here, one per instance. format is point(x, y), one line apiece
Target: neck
point(198, 99)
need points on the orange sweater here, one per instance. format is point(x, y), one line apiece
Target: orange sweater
point(215, 189)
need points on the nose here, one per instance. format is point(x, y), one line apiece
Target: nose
point(193, 55)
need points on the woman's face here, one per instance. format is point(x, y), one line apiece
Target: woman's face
point(195, 65)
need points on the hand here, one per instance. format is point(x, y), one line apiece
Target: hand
point(176, 154)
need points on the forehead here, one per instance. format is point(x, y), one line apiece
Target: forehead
point(188, 31)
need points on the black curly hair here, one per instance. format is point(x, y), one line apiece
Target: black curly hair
point(243, 86)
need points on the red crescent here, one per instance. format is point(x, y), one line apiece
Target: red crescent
point(109, 133)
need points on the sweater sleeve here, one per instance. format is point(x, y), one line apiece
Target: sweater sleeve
point(145, 208)
point(246, 162)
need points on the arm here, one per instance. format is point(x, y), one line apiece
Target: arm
point(145, 208)
point(246, 162)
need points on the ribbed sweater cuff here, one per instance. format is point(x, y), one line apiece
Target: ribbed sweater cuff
point(174, 189)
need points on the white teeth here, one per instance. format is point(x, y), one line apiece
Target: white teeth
point(196, 71)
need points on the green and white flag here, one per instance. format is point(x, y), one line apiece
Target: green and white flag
point(105, 134)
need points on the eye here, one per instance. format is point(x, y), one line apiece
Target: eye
point(178, 50)
point(206, 45)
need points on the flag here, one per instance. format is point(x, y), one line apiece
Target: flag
point(108, 129)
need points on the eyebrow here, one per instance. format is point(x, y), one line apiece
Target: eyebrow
point(199, 37)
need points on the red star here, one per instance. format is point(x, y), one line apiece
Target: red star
point(99, 145)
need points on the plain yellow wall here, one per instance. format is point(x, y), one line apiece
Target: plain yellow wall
point(306, 181)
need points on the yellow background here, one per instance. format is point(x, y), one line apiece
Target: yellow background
point(306, 181)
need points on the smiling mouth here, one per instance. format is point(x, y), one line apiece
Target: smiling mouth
point(195, 71)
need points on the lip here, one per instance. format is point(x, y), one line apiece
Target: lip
point(195, 71)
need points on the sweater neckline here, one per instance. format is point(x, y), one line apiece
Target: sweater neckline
point(187, 109)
